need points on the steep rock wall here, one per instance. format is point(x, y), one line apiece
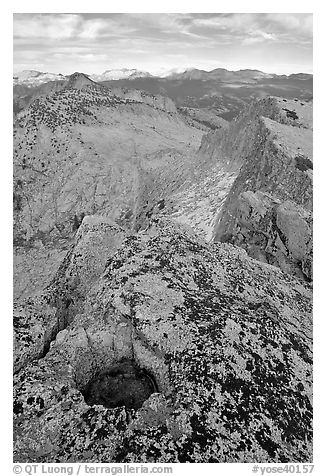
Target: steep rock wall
point(276, 160)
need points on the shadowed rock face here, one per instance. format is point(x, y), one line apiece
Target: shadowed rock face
point(226, 338)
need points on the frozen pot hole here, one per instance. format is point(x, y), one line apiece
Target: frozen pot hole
point(124, 384)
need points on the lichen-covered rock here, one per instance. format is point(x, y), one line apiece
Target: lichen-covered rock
point(226, 338)
point(39, 318)
point(96, 240)
point(279, 233)
point(35, 325)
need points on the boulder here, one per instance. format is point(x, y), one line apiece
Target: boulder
point(279, 233)
point(39, 318)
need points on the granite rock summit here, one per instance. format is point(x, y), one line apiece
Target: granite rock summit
point(225, 338)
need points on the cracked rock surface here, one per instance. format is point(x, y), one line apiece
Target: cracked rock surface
point(226, 338)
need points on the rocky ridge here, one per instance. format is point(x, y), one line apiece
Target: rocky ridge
point(24, 94)
point(280, 164)
point(267, 152)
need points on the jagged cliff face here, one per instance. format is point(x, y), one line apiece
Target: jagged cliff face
point(279, 163)
point(225, 339)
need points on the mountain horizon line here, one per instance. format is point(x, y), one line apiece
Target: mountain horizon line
point(163, 73)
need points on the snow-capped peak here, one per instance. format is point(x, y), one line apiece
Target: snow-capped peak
point(34, 78)
point(124, 73)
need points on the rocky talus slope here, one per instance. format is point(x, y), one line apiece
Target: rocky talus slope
point(208, 348)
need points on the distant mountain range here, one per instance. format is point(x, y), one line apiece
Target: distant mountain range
point(217, 93)
point(35, 78)
point(221, 74)
point(224, 75)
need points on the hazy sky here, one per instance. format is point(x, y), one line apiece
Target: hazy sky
point(93, 43)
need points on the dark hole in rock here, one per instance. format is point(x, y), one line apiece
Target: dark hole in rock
point(291, 114)
point(303, 163)
point(124, 384)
